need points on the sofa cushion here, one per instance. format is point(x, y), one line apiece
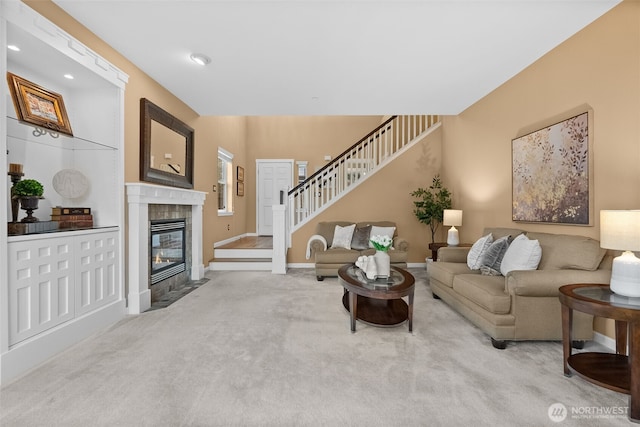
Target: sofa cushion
point(342, 236)
point(486, 291)
point(561, 251)
point(360, 239)
point(327, 228)
point(381, 231)
point(492, 257)
point(476, 251)
point(444, 272)
point(337, 256)
point(522, 254)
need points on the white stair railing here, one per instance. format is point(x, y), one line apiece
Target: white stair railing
point(353, 165)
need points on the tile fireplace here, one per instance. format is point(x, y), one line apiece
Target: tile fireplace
point(166, 207)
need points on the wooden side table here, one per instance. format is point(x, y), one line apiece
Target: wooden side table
point(619, 372)
point(433, 247)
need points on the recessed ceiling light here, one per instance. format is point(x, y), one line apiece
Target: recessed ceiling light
point(68, 76)
point(13, 47)
point(200, 59)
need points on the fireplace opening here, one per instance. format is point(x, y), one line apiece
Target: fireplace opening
point(167, 255)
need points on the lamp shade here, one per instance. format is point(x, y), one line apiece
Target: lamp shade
point(620, 230)
point(452, 217)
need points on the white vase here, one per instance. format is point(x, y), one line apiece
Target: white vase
point(383, 264)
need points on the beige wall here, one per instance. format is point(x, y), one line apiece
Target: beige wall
point(386, 196)
point(300, 138)
point(228, 132)
point(599, 66)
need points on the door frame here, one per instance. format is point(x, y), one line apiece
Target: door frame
point(258, 162)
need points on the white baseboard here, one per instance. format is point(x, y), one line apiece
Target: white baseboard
point(604, 340)
point(232, 239)
point(416, 265)
point(301, 265)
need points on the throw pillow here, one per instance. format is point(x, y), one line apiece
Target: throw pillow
point(342, 236)
point(522, 254)
point(360, 239)
point(476, 251)
point(492, 257)
point(381, 231)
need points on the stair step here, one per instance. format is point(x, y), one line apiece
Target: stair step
point(241, 264)
point(242, 253)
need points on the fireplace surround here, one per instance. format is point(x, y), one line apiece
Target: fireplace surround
point(147, 202)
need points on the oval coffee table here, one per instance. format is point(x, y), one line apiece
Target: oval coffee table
point(377, 302)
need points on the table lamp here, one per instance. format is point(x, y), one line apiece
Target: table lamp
point(620, 230)
point(452, 217)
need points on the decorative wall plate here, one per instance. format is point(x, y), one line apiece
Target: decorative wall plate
point(70, 183)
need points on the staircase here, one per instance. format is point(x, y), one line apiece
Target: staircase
point(326, 186)
point(355, 164)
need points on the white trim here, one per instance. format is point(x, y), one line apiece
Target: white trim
point(232, 239)
point(301, 265)
point(604, 340)
point(227, 155)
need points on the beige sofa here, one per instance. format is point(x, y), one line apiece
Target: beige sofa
point(524, 305)
point(328, 260)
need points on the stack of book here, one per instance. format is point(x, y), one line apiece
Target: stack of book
point(72, 217)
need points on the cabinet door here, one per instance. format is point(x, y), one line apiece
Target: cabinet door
point(41, 279)
point(97, 267)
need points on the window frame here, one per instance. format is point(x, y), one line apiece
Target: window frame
point(226, 185)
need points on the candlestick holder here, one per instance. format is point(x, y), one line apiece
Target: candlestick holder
point(16, 176)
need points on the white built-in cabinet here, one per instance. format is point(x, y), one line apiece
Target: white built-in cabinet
point(58, 288)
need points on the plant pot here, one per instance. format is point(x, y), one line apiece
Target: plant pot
point(29, 204)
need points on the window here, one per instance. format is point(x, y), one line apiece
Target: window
point(225, 182)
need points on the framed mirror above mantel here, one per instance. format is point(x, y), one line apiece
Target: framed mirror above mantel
point(166, 147)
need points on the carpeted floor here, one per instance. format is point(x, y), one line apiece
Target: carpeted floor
point(255, 349)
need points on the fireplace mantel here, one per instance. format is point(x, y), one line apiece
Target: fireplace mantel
point(139, 197)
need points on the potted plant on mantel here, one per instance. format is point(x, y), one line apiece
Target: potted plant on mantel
point(29, 192)
point(430, 206)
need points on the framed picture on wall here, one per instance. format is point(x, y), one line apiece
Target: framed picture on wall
point(240, 173)
point(240, 189)
point(552, 174)
point(38, 106)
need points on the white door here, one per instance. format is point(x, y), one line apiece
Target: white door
point(273, 176)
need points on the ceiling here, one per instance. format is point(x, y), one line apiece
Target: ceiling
point(312, 57)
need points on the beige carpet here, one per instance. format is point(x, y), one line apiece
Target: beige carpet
point(255, 349)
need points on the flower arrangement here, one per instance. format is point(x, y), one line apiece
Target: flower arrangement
point(381, 243)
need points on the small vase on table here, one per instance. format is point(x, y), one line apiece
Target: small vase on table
point(383, 262)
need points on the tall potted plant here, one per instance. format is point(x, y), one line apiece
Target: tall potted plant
point(431, 203)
